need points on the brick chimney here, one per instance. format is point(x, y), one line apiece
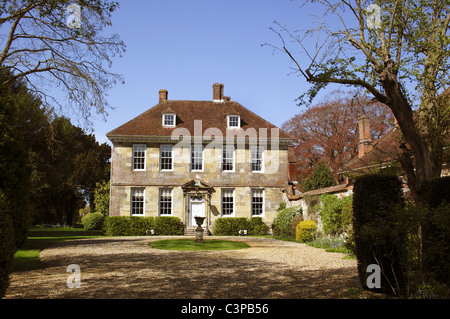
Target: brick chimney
point(365, 142)
point(217, 92)
point(163, 95)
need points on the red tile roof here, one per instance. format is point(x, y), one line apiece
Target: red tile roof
point(212, 114)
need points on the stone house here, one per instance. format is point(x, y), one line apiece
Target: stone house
point(188, 158)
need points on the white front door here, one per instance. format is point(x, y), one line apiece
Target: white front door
point(197, 209)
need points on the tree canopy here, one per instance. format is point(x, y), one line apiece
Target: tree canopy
point(46, 49)
point(397, 53)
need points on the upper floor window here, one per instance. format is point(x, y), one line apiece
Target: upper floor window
point(166, 157)
point(197, 158)
point(256, 158)
point(139, 151)
point(137, 201)
point(228, 158)
point(234, 121)
point(169, 120)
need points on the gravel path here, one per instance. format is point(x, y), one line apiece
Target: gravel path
point(127, 267)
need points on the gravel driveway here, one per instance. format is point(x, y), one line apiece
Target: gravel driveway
point(126, 267)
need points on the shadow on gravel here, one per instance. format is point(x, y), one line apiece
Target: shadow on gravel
point(183, 275)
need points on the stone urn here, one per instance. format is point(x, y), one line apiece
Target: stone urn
point(199, 230)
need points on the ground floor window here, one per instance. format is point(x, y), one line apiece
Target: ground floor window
point(257, 202)
point(165, 202)
point(227, 202)
point(137, 201)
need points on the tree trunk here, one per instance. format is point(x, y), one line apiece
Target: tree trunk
point(423, 157)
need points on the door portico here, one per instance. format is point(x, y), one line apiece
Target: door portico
point(197, 202)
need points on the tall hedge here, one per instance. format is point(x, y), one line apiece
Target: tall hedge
point(378, 239)
point(436, 229)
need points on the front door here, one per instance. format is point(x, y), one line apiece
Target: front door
point(197, 208)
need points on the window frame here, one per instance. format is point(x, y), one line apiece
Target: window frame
point(229, 121)
point(233, 158)
point(132, 201)
point(160, 201)
point(133, 150)
point(253, 147)
point(233, 214)
point(161, 158)
point(192, 158)
point(164, 120)
point(253, 191)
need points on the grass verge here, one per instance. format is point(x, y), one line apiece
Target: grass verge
point(27, 256)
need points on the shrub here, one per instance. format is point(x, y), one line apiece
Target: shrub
point(256, 226)
point(331, 212)
point(282, 221)
point(306, 231)
point(230, 226)
point(7, 249)
point(93, 221)
point(378, 239)
point(137, 226)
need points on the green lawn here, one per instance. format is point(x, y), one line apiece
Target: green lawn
point(189, 244)
point(27, 257)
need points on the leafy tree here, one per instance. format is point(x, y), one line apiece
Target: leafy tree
point(321, 177)
point(14, 165)
point(397, 53)
point(328, 131)
point(43, 47)
point(101, 198)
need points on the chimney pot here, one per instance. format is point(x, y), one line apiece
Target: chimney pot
point(217, 92)
point(163, 94)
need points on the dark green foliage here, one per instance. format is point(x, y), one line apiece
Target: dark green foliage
point(137, 226)
point(165, 225)
point(14, 162)
point(230, 226)
point(7, 249)
point(321, 177)
point(436, 191)
point(436, 229)
point(93, 221)
point(378, 238)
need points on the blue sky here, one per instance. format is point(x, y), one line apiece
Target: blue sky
point(186, 46)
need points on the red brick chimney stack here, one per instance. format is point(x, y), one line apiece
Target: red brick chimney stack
point(163, 94)
point(365, 142)
point(217, 92)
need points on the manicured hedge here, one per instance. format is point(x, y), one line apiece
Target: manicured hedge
point(230, 226)
point(306, 231)
point(378, 239)
point(137, 226)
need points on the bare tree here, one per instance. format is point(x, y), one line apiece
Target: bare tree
point(58, 45)
point(381, 46)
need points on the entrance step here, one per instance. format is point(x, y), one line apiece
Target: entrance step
point(190, 231)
